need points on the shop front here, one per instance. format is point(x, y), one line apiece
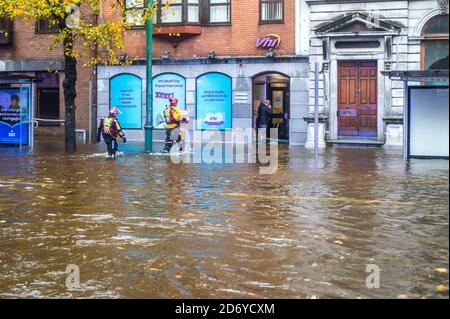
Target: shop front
point(219, 94)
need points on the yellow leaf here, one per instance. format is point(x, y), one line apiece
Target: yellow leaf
point(154, 269)
point(441, 270)
point(442, 288)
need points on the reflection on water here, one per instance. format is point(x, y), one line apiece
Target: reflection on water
point(143, 227)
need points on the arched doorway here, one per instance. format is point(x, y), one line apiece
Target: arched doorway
point(274, 87)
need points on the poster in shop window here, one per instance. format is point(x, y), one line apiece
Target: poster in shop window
point(126, 94)
point(14, 113)
point(214, 102)
point(166, 86)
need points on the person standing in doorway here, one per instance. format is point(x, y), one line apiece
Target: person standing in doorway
point(110, 129)
point(263, 119)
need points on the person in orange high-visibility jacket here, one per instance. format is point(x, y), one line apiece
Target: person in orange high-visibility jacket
point(172, 116)
point(110, 129)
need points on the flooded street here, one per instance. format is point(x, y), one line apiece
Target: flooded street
point(143, 227)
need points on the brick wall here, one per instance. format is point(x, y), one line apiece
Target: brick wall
point(29, 45)
point(238, 39)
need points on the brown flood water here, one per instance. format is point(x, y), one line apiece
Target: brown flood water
point(143, 227)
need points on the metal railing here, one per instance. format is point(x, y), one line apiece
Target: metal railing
point(36, 121)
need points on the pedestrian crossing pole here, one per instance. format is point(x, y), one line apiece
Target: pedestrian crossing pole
point(149, 82)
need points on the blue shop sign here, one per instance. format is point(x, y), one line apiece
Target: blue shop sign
point(214, 102)
point(14, 115)
point(166, 86)
point(126, 94)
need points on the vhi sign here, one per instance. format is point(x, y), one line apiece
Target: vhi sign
point(268, 42)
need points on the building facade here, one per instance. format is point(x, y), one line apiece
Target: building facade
point(24, 53)
point(221, 59)
point(353, 41)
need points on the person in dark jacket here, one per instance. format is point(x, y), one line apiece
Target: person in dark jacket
point(263, 119)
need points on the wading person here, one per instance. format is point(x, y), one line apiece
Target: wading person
point(263, 119)
point(110, 129)
point(172, 116)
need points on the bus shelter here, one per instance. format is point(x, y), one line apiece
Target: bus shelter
point(426, 113)
point(16, 110)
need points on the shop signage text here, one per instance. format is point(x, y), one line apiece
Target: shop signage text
point(269, 41)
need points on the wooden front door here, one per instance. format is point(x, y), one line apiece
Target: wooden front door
point(357, 104)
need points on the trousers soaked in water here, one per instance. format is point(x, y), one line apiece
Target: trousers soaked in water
point(111, 144)
point(173, 135)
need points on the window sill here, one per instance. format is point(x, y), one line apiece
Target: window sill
point(177, 29)
point(218, 24)
point(271, 22)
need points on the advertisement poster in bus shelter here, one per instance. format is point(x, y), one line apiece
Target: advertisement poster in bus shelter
point(214, 102)
point(14, 113)
point(166, 86)
point(126, 94)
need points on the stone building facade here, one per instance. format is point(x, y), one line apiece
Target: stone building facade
point(353, 41)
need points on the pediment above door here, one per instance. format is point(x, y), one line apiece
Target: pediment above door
point(358, 24)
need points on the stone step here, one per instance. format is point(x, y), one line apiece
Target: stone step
point(355, 143)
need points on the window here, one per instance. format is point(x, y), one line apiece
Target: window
point(48, 98)
point(214, 101)
point(44, 26)
point(165, 86)
point(179, 12)
point(134, 10)
point(6, 28)
point(434, 51)
point(271, 11)
point(219, 11)
point(126, 94)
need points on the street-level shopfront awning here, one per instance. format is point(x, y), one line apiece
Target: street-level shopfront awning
point(425, 113)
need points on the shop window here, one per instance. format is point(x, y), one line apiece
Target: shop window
point(6, 30)
point(44, 26)
point(219, 11)
point(126, 94)
point(178, 12)
point(48, 101)
point(214, 101)
point(271, 11)
point(48, 106)
point(434, 48)
point(134, 10)
point(165, 86)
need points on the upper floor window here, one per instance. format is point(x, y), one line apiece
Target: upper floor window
point(219, 11)
point(271, 11)
point(434, 47)
point(438, 25)
point(179, 12)
point(44, 26)
point(6, 27)
point(134, 10)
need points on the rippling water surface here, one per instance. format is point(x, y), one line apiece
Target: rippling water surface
point(144, 227)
